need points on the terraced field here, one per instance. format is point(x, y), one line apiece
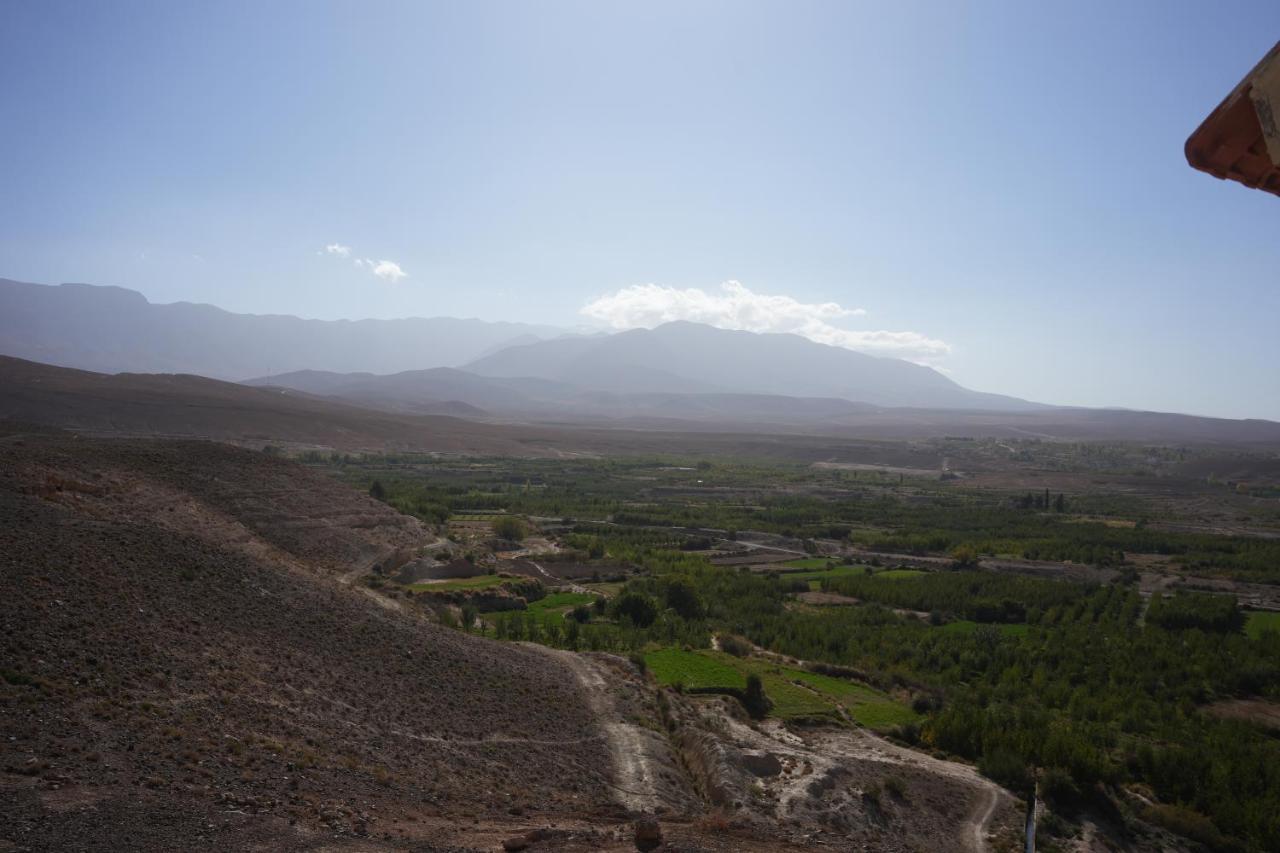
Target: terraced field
point(693, 670)
point(477, 582)
point(556, 606)
point(795, 693)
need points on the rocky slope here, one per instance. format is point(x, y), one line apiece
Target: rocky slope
point(183, 669)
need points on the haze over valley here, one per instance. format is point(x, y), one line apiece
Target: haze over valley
point(678, 428)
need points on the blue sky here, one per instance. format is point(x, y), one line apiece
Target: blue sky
point(999, 185)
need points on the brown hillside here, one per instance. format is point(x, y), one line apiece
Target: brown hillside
point(167, 684)
point(183, 405)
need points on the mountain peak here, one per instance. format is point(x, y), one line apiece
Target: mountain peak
point(682, 355)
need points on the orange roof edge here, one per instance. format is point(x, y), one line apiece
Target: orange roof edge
point(1240, 140)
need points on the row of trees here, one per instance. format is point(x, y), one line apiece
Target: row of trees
point(939, 523)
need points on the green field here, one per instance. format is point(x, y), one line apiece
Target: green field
point(565, 600)
point(794, 692)
point(816, 578)
point(865, 705)
point(694, 670)
point(1262, 620)
point(553, 607)
point(899, 574)
point(808, 563)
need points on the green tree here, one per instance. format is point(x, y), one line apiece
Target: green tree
point(683, 598)
point(509, 527)
point(470, 613)
point(638, 608)
point(754, 698)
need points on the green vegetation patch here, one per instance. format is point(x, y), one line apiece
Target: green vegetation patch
point(562, 601)
point(793, 692)
point(790, 699)
point(693, 670)
point(554, 607)
point(606, 588)
point(815, 579)
point(865, 705)
point(1261, 621)
point(979, 596)
point(808, 563)
point(899, 574)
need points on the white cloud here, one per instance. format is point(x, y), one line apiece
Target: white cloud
point(387, 270)
point(736, 307)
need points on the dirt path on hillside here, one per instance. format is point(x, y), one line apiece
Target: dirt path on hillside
point(350, 578)
point(864, 745)
point(809, 757)
point(364, 567)
point(638, 756)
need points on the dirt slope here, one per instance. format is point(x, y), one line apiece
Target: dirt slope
point(182, 405)
point(164, 688)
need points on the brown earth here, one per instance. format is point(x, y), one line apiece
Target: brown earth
point(183, 668)
point(1263, 712)
point(175, 405)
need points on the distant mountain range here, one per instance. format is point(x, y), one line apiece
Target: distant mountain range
point(111, 329)
point(767, 427)
point(391, 377)
point(444, 390)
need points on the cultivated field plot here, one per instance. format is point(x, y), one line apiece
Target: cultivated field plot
point(1260, 621)
point(456, 584)
point(795, 693)
point(558, 605)
point(810, 572)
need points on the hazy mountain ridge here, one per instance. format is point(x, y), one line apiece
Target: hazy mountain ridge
point(112, 329)
point(544, 399)
point(710, 360)
point(547, 401)
point(170, 405)
point(184, 405)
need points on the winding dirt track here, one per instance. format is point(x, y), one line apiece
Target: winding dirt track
point(864, 745)
point(824, 750)
point(634, 774)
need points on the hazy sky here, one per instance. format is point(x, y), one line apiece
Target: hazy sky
point(997, 189)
